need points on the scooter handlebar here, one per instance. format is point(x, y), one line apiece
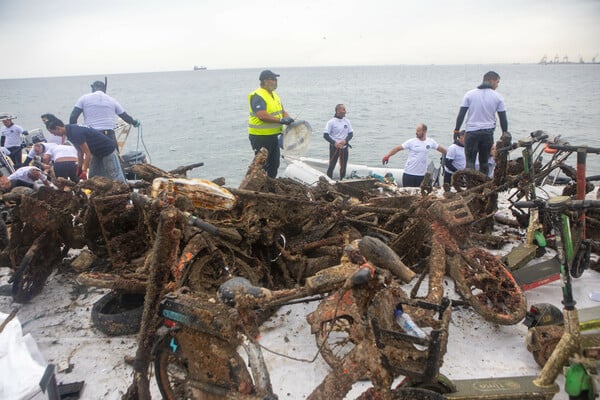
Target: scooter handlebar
point(569, 204)
point(565, 147)
point(527, 204)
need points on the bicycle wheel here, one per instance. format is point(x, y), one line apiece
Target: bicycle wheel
point(334, 339)
point(483, 281)
point(336, 327)
point(194, 365)
point(171, 369)
point(36, 266)
point(403, 393)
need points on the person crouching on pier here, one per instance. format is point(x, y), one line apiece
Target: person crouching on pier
point(95, 150)
point(24, 176)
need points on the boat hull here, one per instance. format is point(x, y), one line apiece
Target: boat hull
point(308, 170)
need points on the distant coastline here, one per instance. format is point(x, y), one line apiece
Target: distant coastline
point(565, 60)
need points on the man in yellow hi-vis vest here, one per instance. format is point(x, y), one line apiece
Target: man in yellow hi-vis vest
point(266, 118)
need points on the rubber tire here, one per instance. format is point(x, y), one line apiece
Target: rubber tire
point(327, 348)
point(171, 370)
point(501, 278)
point(30, 283)
point(581, 261)
point(172, 374)
point(416, 394)
point(584, 395)
point(112, 323)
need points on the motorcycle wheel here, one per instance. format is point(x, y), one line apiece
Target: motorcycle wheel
point(485, 283)
point(171, 369)
point(174, 371)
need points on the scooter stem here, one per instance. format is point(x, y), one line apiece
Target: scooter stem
point(565, 348)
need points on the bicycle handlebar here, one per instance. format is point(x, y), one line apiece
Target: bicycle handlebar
point(566, 147)
point(568, 203)
point(533, 138)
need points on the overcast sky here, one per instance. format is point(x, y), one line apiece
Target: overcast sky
point(68, 37)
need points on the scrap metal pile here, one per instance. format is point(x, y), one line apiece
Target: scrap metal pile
point(174, 235)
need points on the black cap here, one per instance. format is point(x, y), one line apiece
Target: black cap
point(37, 139)
point(267, 74)
point(98, 85)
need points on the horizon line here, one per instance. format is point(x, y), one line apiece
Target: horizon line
point(297, 66)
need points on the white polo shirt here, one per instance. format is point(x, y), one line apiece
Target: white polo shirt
point(417, 155)
point(62, 151)
point(338, 128)
point(456, 153)
point(13, 135)
point(47, 147)
point(483, 105)
point(22, 174)
point(99, 110)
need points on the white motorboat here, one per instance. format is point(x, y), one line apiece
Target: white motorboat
point(308, 171)
point(295, 142)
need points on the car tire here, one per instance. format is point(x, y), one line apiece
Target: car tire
point(117, 314)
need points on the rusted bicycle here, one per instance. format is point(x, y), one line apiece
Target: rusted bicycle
point(42, 231)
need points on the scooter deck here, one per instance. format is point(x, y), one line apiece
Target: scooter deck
point(519, 256)
point(590, 341)
point(537, 274)
point(589, 318)
point(517, 388)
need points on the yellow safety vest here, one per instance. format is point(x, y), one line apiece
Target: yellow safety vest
point(274, 108)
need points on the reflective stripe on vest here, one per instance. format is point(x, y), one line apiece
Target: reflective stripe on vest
point(274, 108)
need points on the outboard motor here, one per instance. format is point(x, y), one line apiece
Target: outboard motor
point(130, 159)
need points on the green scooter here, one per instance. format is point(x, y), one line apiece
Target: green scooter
point(579, 353)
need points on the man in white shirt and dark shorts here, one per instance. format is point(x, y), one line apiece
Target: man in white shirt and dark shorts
point(418, 149)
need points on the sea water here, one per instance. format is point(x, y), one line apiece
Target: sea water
point(201, 116)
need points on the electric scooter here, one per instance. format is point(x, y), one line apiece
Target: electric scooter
point(576, 351)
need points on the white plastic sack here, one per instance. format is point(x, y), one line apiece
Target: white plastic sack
point(21, 362)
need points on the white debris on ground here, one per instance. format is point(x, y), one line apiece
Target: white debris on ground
point(59, 319)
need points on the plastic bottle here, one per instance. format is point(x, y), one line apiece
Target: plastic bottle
point(409, 327)
point(376, 176)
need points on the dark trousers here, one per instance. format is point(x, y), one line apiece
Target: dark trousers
point(481, 142)
point(334, 155)
point(67, 170)
point(16, 155)
point(271, 143)
point(412, 180)
point(19, 182)
point(111, 134)
point(447, 178)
